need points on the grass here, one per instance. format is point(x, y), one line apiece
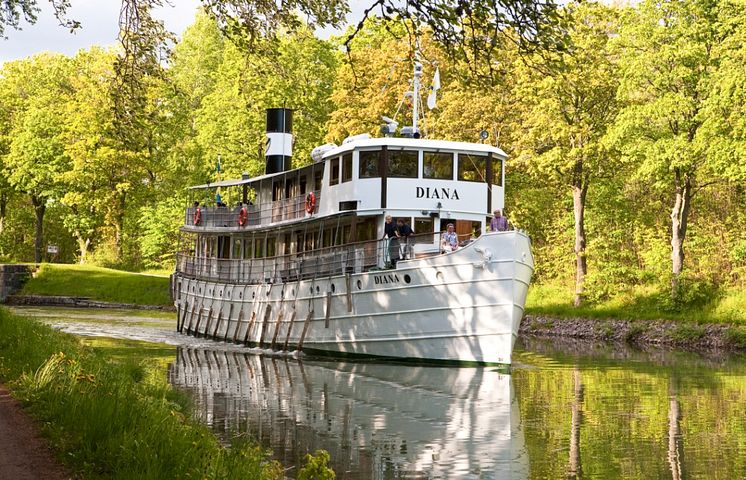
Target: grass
point(103, 284)
point(110, 414)
point(642, 302)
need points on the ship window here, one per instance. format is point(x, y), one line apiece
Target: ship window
point(347, 167)
point(472, 167)
point(258, 248)
point(437, 165)
point(334, 166)
point(236, 248)
point(366, 230)
point(247, 248)
point(497, 172)
point(302, 185)
point(423, 225)
point(317, 177)
point(286, 244)
point(271, 247)
point(403, 163)
point(369, 161)
point(277, 189)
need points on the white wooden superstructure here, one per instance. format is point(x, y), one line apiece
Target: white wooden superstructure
point(324, 281)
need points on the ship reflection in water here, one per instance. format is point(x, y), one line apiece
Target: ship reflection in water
point(377, 420)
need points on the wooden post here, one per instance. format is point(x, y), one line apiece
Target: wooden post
point(230, 314)
point(305, 329)
point(348, 286)
point(238, 324)
point(290, 329)
point(217, 324)
point(191, 317)
point(249, 327)
point(277, 329)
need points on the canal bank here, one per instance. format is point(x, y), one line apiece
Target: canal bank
point(686, 335)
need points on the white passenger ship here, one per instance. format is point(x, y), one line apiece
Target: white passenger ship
point(301, 262)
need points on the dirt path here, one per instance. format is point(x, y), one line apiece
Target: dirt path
point(24, 453)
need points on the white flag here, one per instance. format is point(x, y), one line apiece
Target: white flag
point(434, 90)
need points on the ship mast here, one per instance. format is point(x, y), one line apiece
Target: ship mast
point(416, 95)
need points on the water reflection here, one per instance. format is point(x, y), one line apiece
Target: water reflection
point(377, 421)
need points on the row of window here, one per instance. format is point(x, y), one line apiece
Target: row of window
point(405, 164)
point(298, 241)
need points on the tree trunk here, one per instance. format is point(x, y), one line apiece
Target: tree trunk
point(575, 468)
point(679, 220)
point(83, 245)
point(3, 207)
point(675, 446)
point(579, 191)
point(40, 206)
point(119, 226)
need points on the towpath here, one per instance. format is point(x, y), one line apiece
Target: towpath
point(24, 453)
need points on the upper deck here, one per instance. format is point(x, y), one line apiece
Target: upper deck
point(405, 176)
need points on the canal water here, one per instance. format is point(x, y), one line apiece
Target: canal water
point(564, 410)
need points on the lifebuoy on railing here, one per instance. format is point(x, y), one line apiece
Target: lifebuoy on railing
point(243, 216)
point(310, 202)
point(197, 216)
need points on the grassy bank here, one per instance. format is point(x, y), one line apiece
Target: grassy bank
point(641, 303)
point(98, 283)
point(115, 418)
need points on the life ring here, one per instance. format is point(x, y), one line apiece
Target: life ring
point(243, 216)
point(310, 202)
point(197, 216)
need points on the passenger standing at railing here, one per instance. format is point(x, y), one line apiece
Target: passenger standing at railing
point(499, 223)
point(390, 232)
point(405, 232)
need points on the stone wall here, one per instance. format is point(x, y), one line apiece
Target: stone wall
point(12, 278)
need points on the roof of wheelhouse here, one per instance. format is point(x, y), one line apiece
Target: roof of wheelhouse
point(397, 142)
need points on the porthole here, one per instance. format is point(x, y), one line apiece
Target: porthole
point(240, 294)
point(311, 290)
point(200, 290)
point(318, 289)
point(333, 288)
point(221, 293)
point(292, 292)
point(439, 276)
point(407, 279)
point(359, 285)
point(253, 294)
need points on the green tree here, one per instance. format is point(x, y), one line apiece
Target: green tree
point(568, 101)
point(37, 157)
point(668, 59)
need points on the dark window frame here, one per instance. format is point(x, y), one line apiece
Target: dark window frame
point(375, 161)
point(346, 165)
point(480, 176)
point(437, 153)
point(395, 153)
point(334, 171)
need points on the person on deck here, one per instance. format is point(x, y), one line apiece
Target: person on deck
point(390, 232)
point(499, 223)
point(449, 242)
point(405, 232)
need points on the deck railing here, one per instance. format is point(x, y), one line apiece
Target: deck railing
point(351, 258)
point(258, 215)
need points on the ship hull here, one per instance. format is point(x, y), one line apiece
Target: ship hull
point(464, 306)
